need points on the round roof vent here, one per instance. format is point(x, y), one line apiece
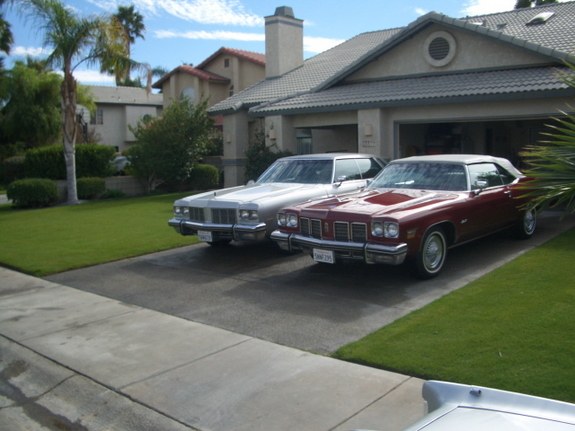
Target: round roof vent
point(439, 48)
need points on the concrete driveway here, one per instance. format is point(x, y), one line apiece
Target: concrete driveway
point(257, 291)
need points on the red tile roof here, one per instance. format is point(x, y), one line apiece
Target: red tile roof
point(254, 57)
point(199, 71)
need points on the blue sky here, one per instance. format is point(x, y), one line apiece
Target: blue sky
point(188, 31)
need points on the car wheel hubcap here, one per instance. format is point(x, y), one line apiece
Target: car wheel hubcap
point(529, 222)
point(433, 253)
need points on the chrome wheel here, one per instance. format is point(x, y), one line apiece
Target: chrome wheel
point(526, 226)
point(432, 255)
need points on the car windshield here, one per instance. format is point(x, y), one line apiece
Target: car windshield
point(422, 175)
point(298, 171)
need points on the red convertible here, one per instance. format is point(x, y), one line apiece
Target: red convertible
point(416, 208)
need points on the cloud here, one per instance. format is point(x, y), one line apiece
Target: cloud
point(223, 12)
point(210, 35)
point(28, 51)
point(484, 7)
point(420, 11)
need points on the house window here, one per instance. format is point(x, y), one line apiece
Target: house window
point(231, 93)
point(226, 62)
point(98, 118)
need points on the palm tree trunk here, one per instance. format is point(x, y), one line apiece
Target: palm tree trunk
point(70, 131)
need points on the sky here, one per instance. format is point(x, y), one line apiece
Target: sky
point(189, 31)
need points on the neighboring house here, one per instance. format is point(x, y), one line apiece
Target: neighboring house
point(484, 84)
point(220, 76)
point(118, 108)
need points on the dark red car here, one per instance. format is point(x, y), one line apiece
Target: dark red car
point(417, 207)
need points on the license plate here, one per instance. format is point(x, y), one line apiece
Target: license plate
point(205, 236)
point(323, 256)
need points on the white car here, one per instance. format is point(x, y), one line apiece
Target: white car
point(248, 213)
point(454, 406)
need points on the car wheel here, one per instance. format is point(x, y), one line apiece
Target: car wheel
point(526, 226)
point(431, 256)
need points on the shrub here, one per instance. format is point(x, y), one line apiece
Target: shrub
point(113, 194)
point(12, 169)
point(204, 177)
point(45, 162)
point(92, 160)
point(32, 193)
point(90, 187)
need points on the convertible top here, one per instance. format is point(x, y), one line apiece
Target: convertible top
point(466, 159)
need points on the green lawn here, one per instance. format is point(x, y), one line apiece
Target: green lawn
point(512, 329)
point(50, 240)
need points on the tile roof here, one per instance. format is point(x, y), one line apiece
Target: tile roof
point(555, 38)
point(423, 90)
point(190, 70)
point(254, 57)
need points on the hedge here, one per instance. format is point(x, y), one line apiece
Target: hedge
point(32, 193)
point(92, 160)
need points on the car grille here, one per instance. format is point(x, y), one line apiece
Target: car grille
point(223, 216)
point(356, 232)
point(343, 231)
point(219, 215)
point(197, 214)
point(311, 227)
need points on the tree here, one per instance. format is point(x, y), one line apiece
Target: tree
point(6, 38)
point(32, 111)
point(551, 163)
point(132, 23)
point(167, 147)
point(74, 40)
point(521, 4)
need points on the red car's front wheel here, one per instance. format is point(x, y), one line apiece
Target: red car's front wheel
point(431, 256)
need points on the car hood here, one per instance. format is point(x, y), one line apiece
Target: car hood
point(256, 193)
point(381, 202)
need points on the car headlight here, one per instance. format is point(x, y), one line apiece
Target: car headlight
point(287, 220)
point(385, 229)
point(181, 212)
point(248, 215)
point(291, 220)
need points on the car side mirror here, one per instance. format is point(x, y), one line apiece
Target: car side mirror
point(250, 183)
point(479, 186)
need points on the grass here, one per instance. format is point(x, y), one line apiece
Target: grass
point(51, 240)
point(512, 329)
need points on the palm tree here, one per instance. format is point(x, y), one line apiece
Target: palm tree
point(551, 163)
point(6, 38)
point(74, 40)
point(132, 23)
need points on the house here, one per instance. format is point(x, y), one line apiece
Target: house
point(118, 108)
point(220, 76)
point(484, 84)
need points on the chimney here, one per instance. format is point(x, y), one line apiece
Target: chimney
point(284, 42)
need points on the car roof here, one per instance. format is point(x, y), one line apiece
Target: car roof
point(329, 156)
point(454, 406)
point(465, 159)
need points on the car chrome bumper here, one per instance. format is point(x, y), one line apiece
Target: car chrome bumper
point(369, 253)
point(237, 232)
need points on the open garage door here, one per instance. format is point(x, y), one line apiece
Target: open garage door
point(504, 138)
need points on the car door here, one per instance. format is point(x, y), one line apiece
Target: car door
point(490, 205)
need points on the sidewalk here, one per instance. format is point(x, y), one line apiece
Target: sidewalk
point(75, 360)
